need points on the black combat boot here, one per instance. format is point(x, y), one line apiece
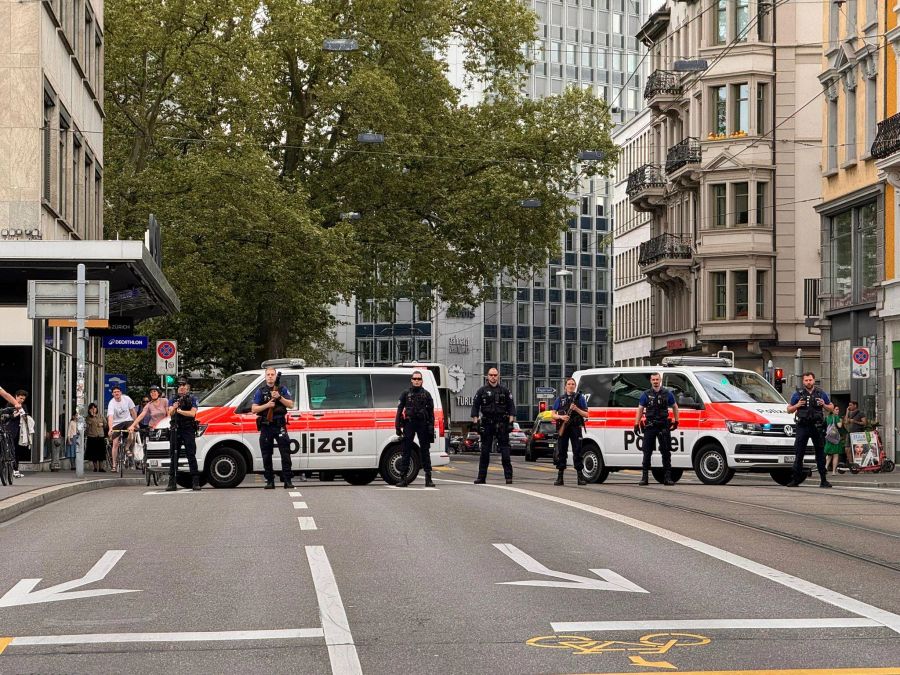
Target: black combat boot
point(509, 481)
point(559, 478)
point(428, 481)
point(667, 479)
point(172, 486)
point(270, 485)
point(195, 483)
point(644, 480)
point(403, 482)
point(288, 485)
point(581, 480)
point(824, 483)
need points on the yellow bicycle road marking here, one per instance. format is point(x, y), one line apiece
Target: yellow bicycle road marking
point(641, 661)
point(789, 671)
point(4, 643)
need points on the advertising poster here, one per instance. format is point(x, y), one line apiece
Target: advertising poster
point(860, 446)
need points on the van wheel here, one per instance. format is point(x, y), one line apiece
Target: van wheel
point(711, 466)
point(360, 477)
point(225, 468)
point(390, 465)
point(659, 474)
point(595, 470)
point(785, 476)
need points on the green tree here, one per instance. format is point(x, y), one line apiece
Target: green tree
point(229, 121)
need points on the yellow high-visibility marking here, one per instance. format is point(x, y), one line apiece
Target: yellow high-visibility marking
point(788, 671)
point(4, 643)
point(641, 661)
point(444, 468)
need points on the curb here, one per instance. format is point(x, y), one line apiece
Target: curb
point(27, 501)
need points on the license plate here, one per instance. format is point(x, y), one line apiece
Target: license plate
point(153, 462)
point(787, 459)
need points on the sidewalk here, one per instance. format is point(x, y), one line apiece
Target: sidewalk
point(847, 479)
point(43, 487)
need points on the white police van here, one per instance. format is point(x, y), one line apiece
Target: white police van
point(342, 424)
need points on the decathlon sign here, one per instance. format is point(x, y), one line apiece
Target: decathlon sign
point(126, 342)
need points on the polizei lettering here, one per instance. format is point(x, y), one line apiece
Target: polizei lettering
point(631, 439)
point(307, 443)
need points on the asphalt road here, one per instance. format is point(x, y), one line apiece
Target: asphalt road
point(528, 578)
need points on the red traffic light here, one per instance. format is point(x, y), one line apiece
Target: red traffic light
point(542, 406)
point(779, 373)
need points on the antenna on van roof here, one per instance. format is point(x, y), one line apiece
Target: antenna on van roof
point(281, 363)
point(707, 361)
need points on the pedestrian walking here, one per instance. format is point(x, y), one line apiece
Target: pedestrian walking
point(570, 410)
point(834, 441)
point(494, 404)
point(182, 432)
point(95, 435)
point(654, 406)
point(415, 419)
point(270, 404)
point(20, 426)
point(72, 440)
point(809, 405)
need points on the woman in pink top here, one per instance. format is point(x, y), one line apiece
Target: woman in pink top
point(155, 411)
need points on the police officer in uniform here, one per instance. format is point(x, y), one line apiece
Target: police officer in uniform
point(655, 403)
point(494, 403)
point(808, 405)
point(415, 417)
point(270, 403)
point(570, 411)
point(182, 432)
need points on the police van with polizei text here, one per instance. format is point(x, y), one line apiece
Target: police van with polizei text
point(730, 420)
point(342, 424)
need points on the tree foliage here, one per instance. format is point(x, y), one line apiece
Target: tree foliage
point(229, 121)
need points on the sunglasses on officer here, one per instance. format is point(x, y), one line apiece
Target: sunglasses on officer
point(414, 378)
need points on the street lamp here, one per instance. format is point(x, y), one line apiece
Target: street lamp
point(561, 275)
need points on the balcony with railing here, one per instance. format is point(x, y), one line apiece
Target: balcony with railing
point(646, 188)
point(663, 90)
point(666, 258)
point(887, 139)
point(681, 159)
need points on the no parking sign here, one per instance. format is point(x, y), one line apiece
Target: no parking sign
point(859, 363)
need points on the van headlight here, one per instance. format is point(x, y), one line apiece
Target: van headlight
point(750, 428)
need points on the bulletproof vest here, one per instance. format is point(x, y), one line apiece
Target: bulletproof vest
point(493, 401)
point(279, 412)
point(417, 408)
point(181, 421)
point(812, 412)
point(657, 408)
point(568, 400)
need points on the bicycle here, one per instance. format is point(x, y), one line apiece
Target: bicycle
point(122, 451)
point(7, 449)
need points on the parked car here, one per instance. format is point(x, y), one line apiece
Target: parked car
point(472, 442)
point(542, 441)
point(518, 440)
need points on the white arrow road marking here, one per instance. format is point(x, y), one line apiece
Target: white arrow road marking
point(610, 580)
point(23, 594)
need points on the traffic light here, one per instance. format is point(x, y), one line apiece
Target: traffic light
point(170, 380)
point(779, 379)
point(542, 406)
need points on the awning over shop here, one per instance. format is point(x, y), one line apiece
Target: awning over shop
point(138, 287)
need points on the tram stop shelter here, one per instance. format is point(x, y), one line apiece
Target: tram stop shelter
point(40, 357)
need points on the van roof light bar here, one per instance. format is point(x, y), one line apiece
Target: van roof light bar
point(283, 363)
point(708, 361)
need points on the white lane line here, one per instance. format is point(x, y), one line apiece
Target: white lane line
point(307, 523)
point(341, 650)
point(708, 624)
point(173, 492)
point(300, 505)
point(826, 595)
point(868, 489)
point(211, 636)
point(409, 488)
point(294, 494)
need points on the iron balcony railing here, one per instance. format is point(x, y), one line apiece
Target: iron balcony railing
point(646, 176)
point(662, 82)
point(665, 246)
point(887, 140)
point(683, 153)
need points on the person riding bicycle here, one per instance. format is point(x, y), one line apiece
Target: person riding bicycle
point(152, 412)
point(13, 401)
point(120, 413)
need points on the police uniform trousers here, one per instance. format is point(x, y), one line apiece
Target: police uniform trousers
point(806, 432)
point(178, 437)
point(490, 430)
point(269, 435)
point(410, 431)
point(657, 434)
point(573, 435)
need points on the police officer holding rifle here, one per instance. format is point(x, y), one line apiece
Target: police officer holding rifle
point(570, 411)
point(415, 417)
point(494, 403)
point(654, 405)
point(808, 405)
point(182, 432)
point(270, 404)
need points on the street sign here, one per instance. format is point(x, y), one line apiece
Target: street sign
point(59, 299)
point(111, 380)
point(544, 390)
point(120, 325)
point(126, 342)
point(544, 397)
point(166, 357)
point(859, 363)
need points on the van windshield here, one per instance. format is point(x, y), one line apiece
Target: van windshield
point(737, 387)
point(226, 390)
